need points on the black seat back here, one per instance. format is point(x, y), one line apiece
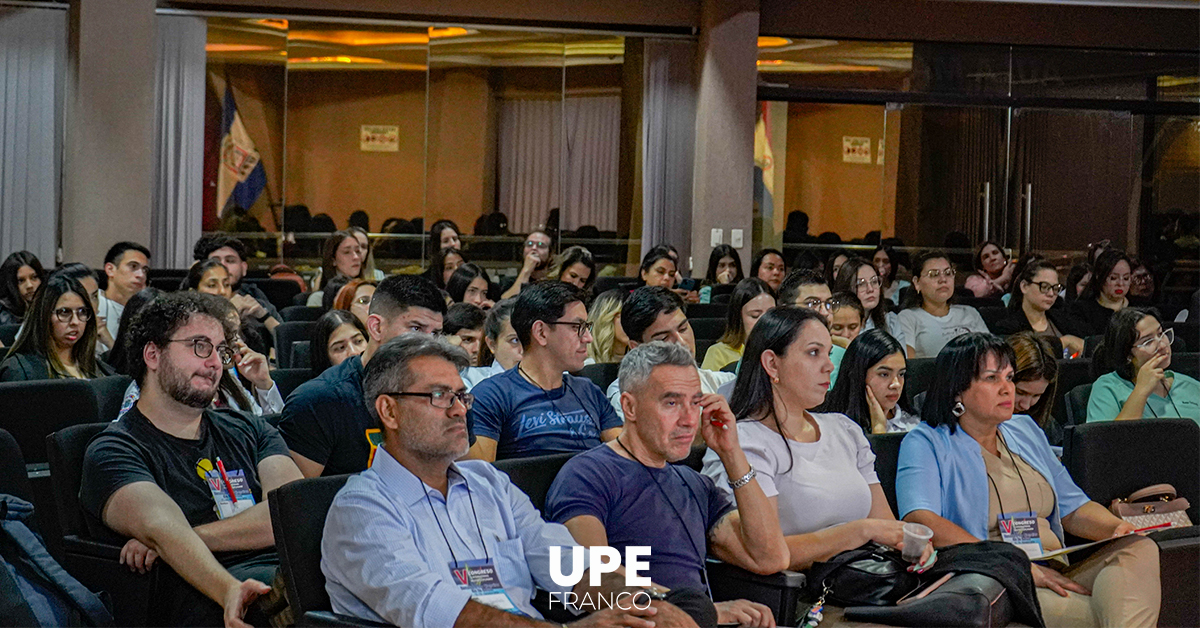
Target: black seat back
point(110, 394)
point(887, 460)
point(66, 448)
point(288, 333)
point(1187, 364)
point(992, 315)
point(1112, 459)
point(8, 334)
point(707, 328)
point(707, 310)
point(919, 377)
point(1076, 403)
point(290, 379)
point(13, 478)
point(32, 410)
point(298, 511)
point(300, 313)
point(1071, 373)
point(601, 374)
point(534, 475)
point(280, 292)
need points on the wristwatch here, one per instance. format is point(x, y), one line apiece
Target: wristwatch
point(653, 594)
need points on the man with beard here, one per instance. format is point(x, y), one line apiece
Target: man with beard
point(188, 483)
point(536, 255)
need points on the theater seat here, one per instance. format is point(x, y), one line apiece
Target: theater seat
point(290, 379)
point(8, 334)
point(707, 328)
point(887, 459)
point(298, 511)
point(534, 475)
point(13, 478)
point(601, 374)
point(300, 313)
point(1076, 403)
point(285, 335)
point(110, 394)
point(919, 376)
point(707, 310)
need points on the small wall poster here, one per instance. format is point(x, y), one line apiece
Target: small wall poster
point(856, 150)
point(374, 138)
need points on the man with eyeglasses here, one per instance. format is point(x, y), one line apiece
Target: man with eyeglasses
point(325, 422)
point(809, 290)
point(537, 408)
point(400, 537)
point(536, 256)
point(249, 299)
point(188, 483)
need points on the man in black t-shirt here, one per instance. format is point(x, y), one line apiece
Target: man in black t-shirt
point(188, 483)
point(325, 421)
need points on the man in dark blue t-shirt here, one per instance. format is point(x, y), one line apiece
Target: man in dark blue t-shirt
point(535, 408)
point(325, 421)
point(627, 493)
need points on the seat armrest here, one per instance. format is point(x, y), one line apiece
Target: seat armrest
point(93, 549)
point(781, 591)
point(329, 618)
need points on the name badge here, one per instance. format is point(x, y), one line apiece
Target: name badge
point(1021, 529)
point(479, 577)
point(223, 494)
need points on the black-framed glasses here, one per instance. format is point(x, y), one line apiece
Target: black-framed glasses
point(443, 399)
point(64, 314)
point(813, 303)
point(203, 348)
point(537, 245)
point(1048, 288)
point(1166, 335)
point(934, 273)
point(581, 327)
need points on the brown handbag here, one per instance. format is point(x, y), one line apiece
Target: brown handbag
point(1153, 506)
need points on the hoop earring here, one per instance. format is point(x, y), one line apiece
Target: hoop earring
point(958, 410)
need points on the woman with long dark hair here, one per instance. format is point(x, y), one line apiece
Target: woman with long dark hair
point(20, 276)
point(870, 385)
point(817, 468)
point(930, 319)
point(443, 265)
point(993, 271)
point(58, 339)
point(444, 234)
point(341, 255)
point(1031, 308)
point(885, 260)
point(769, 266)
point(1137, 383)
point(337, 335)
point(750, 300)
point(860, 278)
point(724, 266)
point(1106, 293)
point(470, 283)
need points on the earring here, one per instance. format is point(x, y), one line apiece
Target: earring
point(958, 410)
point(774, 380)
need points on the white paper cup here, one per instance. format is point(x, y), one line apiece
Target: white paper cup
point(915, 538)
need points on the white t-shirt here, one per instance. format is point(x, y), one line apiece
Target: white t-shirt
point(903, 421)
point(927, 334)
point(828, 482)
point(111, 312)
point(475, 374)
point(710, 382)
point(893, 326)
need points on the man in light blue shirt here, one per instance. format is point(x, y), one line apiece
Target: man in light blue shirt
point(405, 542)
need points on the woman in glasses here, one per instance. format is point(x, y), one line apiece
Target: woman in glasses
point(993, 271)
point(1031, 308)
point(1138, 385)
point(59, 336)
point(860, 278)
point(355, 297)
point(929, 319)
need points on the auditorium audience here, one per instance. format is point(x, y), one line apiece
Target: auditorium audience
point(993, 272)
point(470, 283)
point(444, 234)
point(464, 326)
point(860, 278)
point(846, 315)
point(1137, 383)
point(929, 319)
point(724, 266)
point(1035, 381)
point(248, 298)
point(575, 266)
point(1106, 292)
point(501, 347)
point(870, 390)
point(127, 266)
point(659, 268)
point(338, 335)
point(368, 254)
point(340, 256)
point(816, 469)
point(807, 289)
point(657, 314)
point(443, 265)
point(212, 277)
point(972, 467)
point(386, 556)
point(884, 261)
point(538, 408)
point(20, 275)
point(151, 475)
point(355, 297)
point(1031, 308)
point(769, 266)
point(750, 299)
point(605, 497)
point(536, 256)
point(58, 337)
point(609, 342)
point(325, 421)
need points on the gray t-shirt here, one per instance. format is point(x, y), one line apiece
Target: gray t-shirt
point(927, 334)
point(111, 312)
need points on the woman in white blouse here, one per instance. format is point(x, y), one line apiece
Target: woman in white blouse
point(817, 468)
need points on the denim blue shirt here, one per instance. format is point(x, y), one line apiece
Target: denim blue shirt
point(385, 559)
point(944, 474)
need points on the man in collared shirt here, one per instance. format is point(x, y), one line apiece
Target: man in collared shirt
point(399, 536)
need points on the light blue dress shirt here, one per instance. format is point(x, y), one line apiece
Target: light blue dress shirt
point(385, 559)
point(944, 474)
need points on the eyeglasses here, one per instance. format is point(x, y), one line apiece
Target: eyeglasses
point(536, 245)
point(1141, 277)
point(203, 349)
point(363, 300)
point(813, 303)
point(1166, 335)
point(1048, 288)
point(874, 282)
point(443, 399)
point(934, 273)
point(63, 314)
point(580, 327)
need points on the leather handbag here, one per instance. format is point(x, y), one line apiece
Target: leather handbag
point(1152, 506)
point(871, 575)
point(963, 599)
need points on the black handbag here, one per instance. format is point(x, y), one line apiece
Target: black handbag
point(966, 599)
point(871, 575)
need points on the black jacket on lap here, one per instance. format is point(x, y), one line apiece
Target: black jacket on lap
point(24, 367)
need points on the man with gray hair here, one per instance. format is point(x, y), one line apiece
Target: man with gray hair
point(423, 541)
point(626, 492)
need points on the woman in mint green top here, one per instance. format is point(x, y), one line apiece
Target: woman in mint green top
point(1137, 352)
